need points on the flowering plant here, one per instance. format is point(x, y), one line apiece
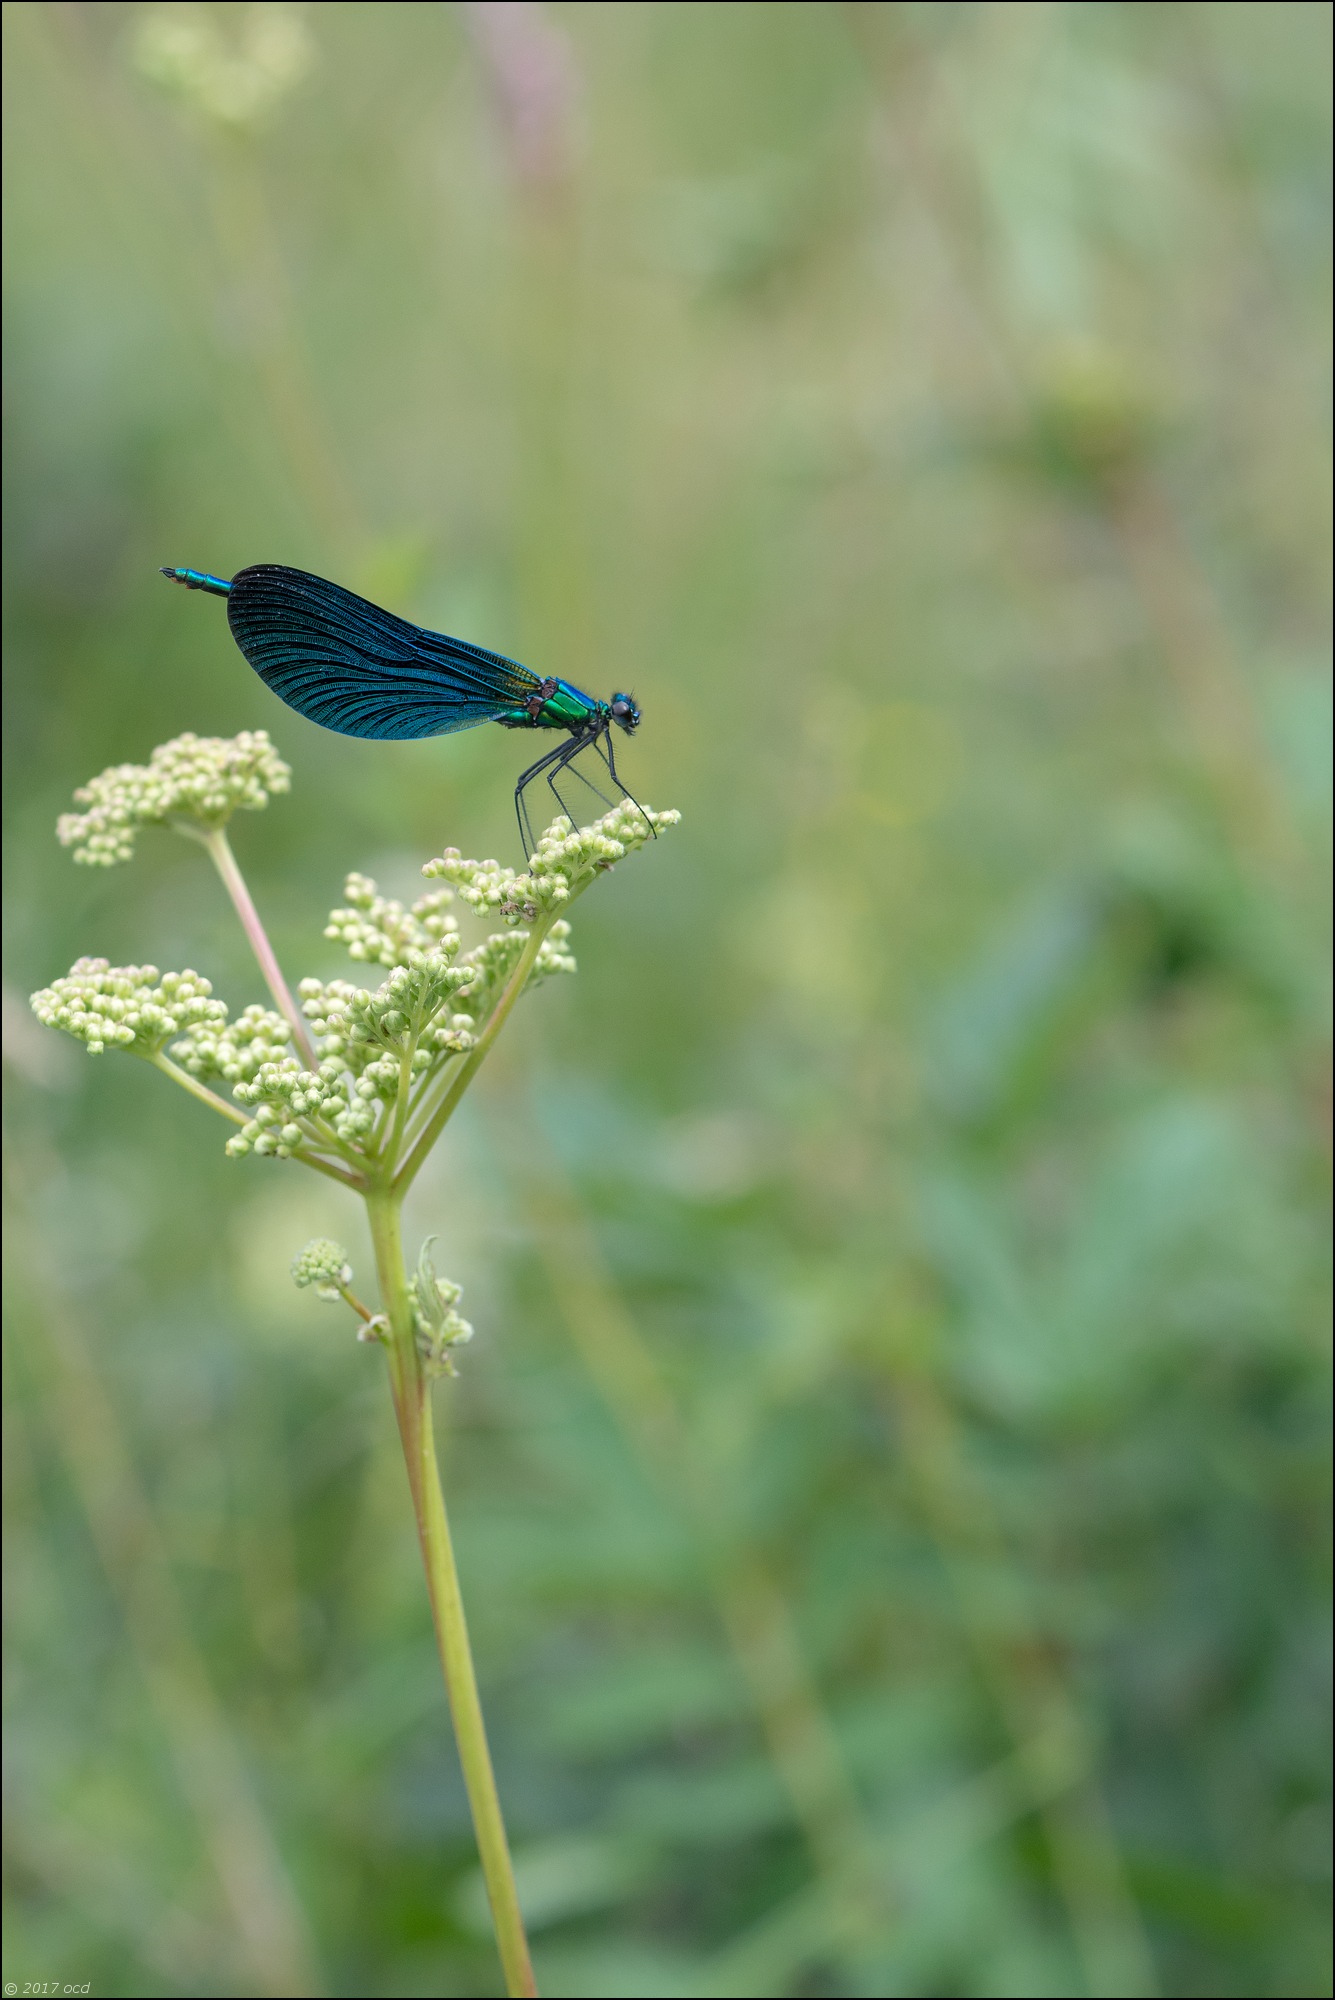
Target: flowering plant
point(356, 1083)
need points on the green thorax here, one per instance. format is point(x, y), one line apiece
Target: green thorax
point(563, 707)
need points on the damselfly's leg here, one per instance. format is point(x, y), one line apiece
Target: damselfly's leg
point(604, 747)
point(562, 750)
point(554, 764)
point(572, 750)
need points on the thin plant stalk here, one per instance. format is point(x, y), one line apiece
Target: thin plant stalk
point(226, 1110)
point(197, 1089)
point(223, 859)
point(412, 1406)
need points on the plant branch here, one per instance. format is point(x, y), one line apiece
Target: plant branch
point(220, 1104)
point(164, 1062)
point(473, 1061)
point(328, 1168)
point(400, 1117)
point(423, 1110)
point(457, 1660)
point(329, 1139)
point(234, 882)
point(350, 1298)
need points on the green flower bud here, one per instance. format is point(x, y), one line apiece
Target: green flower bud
point(325, 1265)
point(384, 933)
point(197, 781)
point(368, 1034)
point(236, 1051)
point(133, 1007)
point(564, 862)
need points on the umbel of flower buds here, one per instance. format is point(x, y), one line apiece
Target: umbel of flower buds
point(565, 861)
point(324, 1264)
point(236, 1050)
point(132, 1007)
point(193, 782)
point(379, 1050)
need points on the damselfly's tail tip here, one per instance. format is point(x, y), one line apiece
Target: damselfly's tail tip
point(198, 579)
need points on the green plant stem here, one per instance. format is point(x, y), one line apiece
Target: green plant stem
point(476, 1056)
point(216, 1103)
point(200, 1090)
point(401, 1097)
point(234, 882)
point(350, 1299)
point(423, 1111)
point(412, 1407)
point(328, 1168)
point(327, 1138)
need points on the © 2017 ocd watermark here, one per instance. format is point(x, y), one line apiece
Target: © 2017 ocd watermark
point(46, 1986)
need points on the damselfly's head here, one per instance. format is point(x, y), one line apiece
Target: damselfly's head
point(624, 712)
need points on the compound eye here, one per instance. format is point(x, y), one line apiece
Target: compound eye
point(622, 708)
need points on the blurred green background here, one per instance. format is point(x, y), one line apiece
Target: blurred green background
point(890, 1478)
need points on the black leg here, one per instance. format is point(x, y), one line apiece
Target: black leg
point(554, 764)
point(605, 751)
point(562, 750)
point(572, 751)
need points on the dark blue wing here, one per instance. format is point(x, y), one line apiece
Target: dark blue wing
point(349, 666)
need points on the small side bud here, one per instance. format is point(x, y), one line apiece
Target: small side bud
point(325, 1265)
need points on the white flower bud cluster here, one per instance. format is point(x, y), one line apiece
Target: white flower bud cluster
point(199, 779)
point(370, 1031)
point(325, 1265)
point(491, 963)
point(484, 885)
point(235, 1051)
point(382, 932)
point(362, 1038)
point(565, 861)
point(132, 1007)
point(429, 1008)
point(283, 1092)
point(552, 954)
